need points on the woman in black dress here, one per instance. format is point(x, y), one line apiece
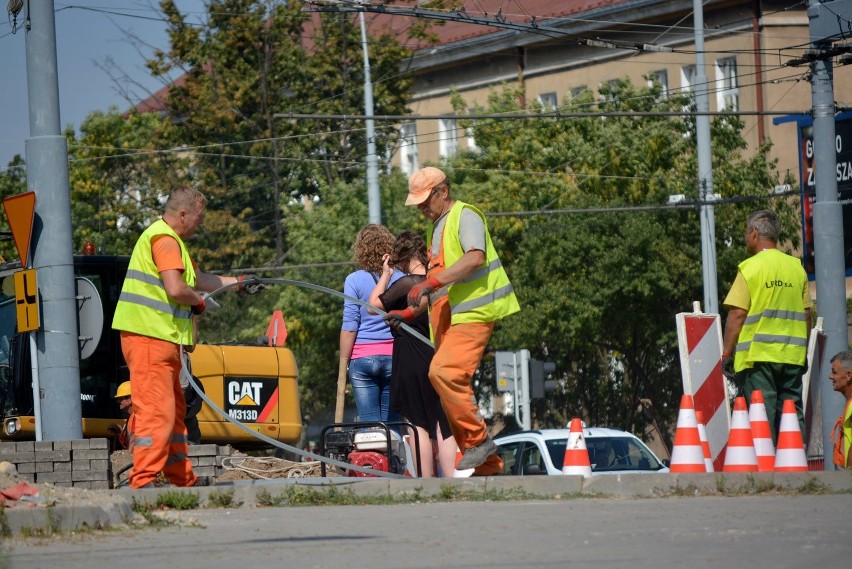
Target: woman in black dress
point(411, 392)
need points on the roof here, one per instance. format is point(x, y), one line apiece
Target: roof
point(522, 11)
point(450, 33)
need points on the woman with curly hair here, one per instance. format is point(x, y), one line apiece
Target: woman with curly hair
point(366, 343)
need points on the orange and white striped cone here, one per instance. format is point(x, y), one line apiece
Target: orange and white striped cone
point(687, 454)
point(466, 473)
point(740, 455)
point(790, 456)
point(763, 446)
point(576, 460)
point(705, 444)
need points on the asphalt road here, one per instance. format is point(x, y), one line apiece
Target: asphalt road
point(759, 532)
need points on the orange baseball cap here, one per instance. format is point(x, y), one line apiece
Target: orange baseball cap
point(421, 182)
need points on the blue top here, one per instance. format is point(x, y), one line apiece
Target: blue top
point(370, 327)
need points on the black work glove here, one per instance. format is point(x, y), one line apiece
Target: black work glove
point(250, 284)
point(200, 307)
point(728, 367)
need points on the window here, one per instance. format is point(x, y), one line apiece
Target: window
point(532, 461)
point(469, 133)
point(687, 77)
point(509, 454)
point(408, 148)
point(727, 93)
point(577, 91)
point(548, 101)
point(661, 77)
point(448, 143)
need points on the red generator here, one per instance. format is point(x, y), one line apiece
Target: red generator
point(373, 445)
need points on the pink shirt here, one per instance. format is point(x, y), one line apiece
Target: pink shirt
point(365, 349)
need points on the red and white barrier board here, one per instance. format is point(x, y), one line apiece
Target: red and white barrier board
point(700, 342)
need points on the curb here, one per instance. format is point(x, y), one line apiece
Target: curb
point(116, 511)
point(67, 517)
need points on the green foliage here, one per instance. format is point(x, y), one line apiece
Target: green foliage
point(178, 500)
point(255, 60)
point(13, 181)
point(222, 500)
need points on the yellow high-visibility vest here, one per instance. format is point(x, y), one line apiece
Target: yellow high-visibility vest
point(486, 295)
point(775, 329)
point(144, 307)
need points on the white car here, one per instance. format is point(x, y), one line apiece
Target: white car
point(611, 451)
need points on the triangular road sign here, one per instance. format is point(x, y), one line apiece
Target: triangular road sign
point(20, 210)
point(277, 329)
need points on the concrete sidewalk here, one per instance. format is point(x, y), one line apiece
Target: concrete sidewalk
point(113, 508)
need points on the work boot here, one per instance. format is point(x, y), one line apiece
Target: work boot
point(203, 481)
point(475, 456)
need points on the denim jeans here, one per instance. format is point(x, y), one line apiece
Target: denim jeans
point(371, 377)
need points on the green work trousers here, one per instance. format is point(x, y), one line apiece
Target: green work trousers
point(777, 382)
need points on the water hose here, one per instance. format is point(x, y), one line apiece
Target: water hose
point(271, 441)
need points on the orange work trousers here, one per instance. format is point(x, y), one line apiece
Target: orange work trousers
point(458, 350)
point(159, 442)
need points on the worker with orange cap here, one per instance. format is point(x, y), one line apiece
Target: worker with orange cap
point(468, 291)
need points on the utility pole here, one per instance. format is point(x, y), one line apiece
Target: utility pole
point(373, 198)
point(828, 212)
point(705, 168)
point(47, 175)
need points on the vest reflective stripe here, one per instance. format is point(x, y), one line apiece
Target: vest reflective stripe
point(142, 441)
point(165, 307)
point(775, 328)
point(785, 314)
point(143, 306)
point(177, 457)
point(773, 339)
point(482, 300)
point(486, 295)
point(478, 273)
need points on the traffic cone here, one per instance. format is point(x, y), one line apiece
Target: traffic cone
point(740, 455)
point(763, 447)
point(790, 456)
point(466, 473)
point(705, 445)
point(576, 459)
point(687, 454)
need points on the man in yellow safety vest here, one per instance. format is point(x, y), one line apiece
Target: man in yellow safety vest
point(154, 314)
point(769, 319)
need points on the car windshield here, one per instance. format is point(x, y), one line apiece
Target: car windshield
point(610, 454)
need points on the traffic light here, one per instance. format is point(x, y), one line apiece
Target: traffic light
point(508, 370)
point(539, 384)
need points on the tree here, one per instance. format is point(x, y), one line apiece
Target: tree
point(13, 181)
point(253, 60)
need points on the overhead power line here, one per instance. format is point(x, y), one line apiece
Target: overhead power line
point(542, 115)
